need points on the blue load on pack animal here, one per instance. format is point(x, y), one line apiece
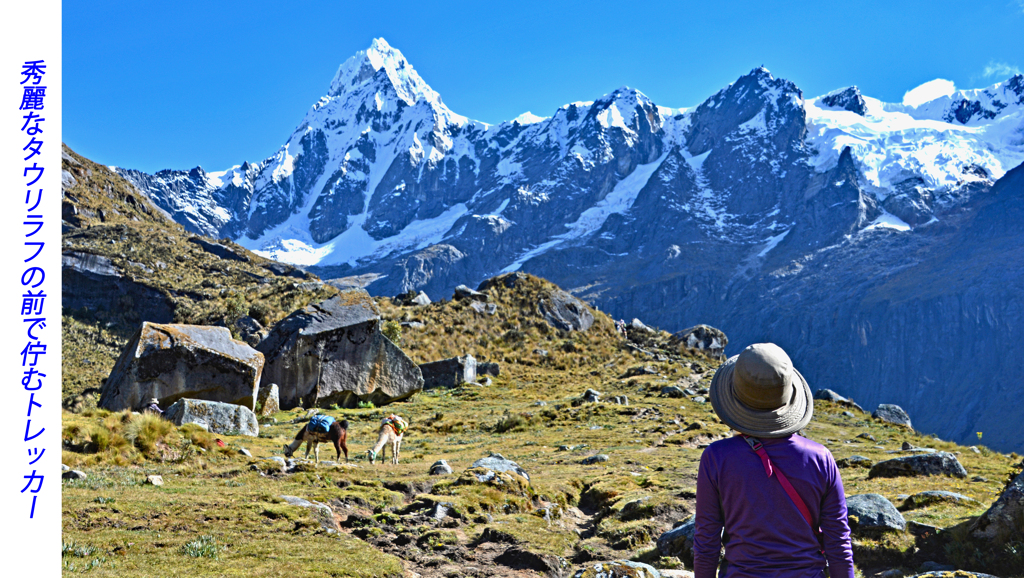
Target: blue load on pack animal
point(320, 423)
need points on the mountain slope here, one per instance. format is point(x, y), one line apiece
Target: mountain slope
point(829, 224)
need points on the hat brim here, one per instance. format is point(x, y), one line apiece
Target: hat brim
point(793, 416)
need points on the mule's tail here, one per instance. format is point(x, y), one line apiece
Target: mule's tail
point(344, 424)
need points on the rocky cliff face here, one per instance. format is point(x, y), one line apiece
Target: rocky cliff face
point(872, 240)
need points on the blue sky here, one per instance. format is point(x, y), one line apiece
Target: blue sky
point(155, 85)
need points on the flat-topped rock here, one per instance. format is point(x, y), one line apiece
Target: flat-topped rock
point(215, 417)
point(169, 362)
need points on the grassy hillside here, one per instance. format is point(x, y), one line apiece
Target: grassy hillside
point(221, 512)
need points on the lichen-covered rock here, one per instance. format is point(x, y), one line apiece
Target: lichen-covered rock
point(333, 352)
point(449, 372)
point(170, 362)
point(617, 569)
point(928, 464)
point(893, 414)
point(215, 417)
point(873, 514)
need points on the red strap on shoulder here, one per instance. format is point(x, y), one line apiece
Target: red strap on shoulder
point(756, 445)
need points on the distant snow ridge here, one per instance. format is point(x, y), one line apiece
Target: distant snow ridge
point(380, 170)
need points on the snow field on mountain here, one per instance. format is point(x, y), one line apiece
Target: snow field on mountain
point(890, 145)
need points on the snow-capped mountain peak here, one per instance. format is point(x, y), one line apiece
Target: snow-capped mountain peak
point(380, 56)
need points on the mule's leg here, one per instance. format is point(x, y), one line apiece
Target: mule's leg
point(316, 451)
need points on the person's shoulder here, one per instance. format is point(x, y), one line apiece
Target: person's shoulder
point(726, 445)
point(812, 447)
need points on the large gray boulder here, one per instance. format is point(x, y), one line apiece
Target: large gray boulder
point(1004, 518)
point(170, 362)
point(930, 464)
point(334, 353)
point(449, 372)
point(702, 337)
point(563, 311)
point(892, 413)
point(873, 514)
point(215, 417)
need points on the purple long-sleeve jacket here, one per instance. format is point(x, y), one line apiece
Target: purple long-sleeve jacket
point(765, 535)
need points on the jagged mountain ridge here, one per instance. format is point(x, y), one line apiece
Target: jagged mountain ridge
point(679, 216)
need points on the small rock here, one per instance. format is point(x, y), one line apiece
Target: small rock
point(673, 391)
point(73, 475)
point(441, 510)
point(591, 396)
point(540, 403)
point(245, 452)
point(848, 414)
point(64, 468)
point(440, 468)
point(155, 480)
point(499, 463)
point(699, 399)
point(463, 292)
point(855, 461)
point(269, 400)
point(620, 400)
point(925, 499)
point(594, 459)
point(541, 352)
point(906, 446)
point(617, 569)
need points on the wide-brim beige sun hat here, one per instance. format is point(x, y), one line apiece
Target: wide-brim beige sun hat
point(761, 394)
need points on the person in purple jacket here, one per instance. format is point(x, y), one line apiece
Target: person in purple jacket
point(742, 499)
